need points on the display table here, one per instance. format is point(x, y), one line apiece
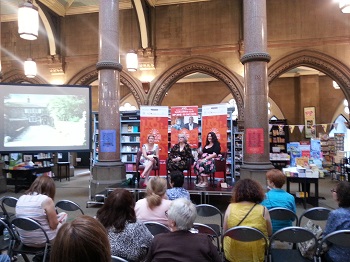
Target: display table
point(23, 178)
point(305, 188)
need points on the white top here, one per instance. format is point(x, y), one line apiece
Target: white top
point(157, 214)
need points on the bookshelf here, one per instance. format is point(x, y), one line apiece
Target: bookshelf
point(237, 152)
point(95, 139)
point(278, 143)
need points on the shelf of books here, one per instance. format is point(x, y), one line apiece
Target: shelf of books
point(238, 152)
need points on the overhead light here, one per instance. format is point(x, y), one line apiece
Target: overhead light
point(344, 6)
point(335, 85)
point(28, 21)
point(30, 69)
point(131, 61)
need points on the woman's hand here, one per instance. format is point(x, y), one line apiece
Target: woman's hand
point(176, 159)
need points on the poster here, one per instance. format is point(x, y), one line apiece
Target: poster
point(184, 120)
point(154, 120)
point(310, 122)
point(255, 140)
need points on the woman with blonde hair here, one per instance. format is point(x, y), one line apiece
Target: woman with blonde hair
point(150, 150)
point(180, 154)
point(155, 205)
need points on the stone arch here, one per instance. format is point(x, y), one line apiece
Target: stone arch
point(317, 60)
point(90, 74)
point(17, 76)
point(197, 64)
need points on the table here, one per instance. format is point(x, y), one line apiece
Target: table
point(305, 182)
point(23, 178)
point(65, 166)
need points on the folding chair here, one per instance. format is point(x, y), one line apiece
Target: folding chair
point(205, 210)
point(339, 238)
point(118, 259)
point(6, 244)
point(291, 235)
point(205, 229)
point(245, 234)
point(68, 205)
point(315, 213)
point(156, 227)
point(26, 225)
point(6, 203)
point(280, 213)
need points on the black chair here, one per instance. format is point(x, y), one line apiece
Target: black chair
point(118, 259)
point(339, 238)
point(220, 166)
point(156, 227)
point(205, 210)
point(315, 213)
point(68, 205)
point(140, 167)
point(189, 162)
point(245, 234)
point(17, 247)
point(205, 229)
point(6, 243)
point(280, 213)
point(6, 203)
point(290, 235)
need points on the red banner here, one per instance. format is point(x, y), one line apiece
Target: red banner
point(154, 120)
point(255, 140)
point(184, 120)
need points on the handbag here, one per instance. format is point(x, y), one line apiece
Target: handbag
point(307, 248)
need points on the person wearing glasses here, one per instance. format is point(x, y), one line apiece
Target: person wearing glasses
point(180, 244)
point(339, 219)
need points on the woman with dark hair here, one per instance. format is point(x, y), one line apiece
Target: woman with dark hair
point(38, 204)
point(82, 240)
point(128, 238)
point(180, 154)
point(155, 204)
point(245, 210)
point(206, 164)
point(339, 219)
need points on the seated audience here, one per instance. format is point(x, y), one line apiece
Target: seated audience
point(245, 210)
point(180, 154)
point(128, 238)
point(339, 219)
point(82, 240)
point(278, 197)
point(38, 203)
point(181, 244)
point(176, 183)
point(154, 205)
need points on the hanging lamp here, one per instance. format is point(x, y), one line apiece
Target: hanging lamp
point(30, 69)
point(344, 6)
point(28, 21)
point(131, 61)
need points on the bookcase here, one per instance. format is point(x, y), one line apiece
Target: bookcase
point(95, 139)
point(237, 152)
point(279, 137)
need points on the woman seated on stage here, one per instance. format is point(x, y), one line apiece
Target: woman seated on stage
point(155, 204)
point(245, 210)
point(206, 164)
point(180, 154)
point(181, 244)
point(150, 150)
point(128, 238)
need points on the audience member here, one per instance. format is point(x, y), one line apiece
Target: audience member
point(339, 219)
point(82, 240)
point(180, 154)
point(4, 258)
point(154, 205)
point(150, 150)
point(128, 238)
point(176, 183)
point(206, 164)
point(278, 197)
point(245, 210)
point(38, 204)
point(181, 244)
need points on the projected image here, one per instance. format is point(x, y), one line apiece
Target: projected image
point(45, 118)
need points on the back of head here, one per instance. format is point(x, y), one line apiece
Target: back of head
point(343, 194)
point(183, 212)
point(248, 190)
point(177, 178)
point(156, 188)
point(277, 177)
point(82, 240)
point(117, 209)
point(43, 185)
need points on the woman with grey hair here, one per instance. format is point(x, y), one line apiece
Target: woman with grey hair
point(181, 244)
point(180, 154)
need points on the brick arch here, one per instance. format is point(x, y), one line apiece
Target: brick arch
point(90, 74)
point(317, 60)
point(205, 65)
point(17, 76)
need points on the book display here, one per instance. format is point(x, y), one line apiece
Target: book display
point(238, 152)
point(278, 143)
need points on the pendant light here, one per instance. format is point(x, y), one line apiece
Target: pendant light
point(344, 6)
point(28, 21)
point(131, 57)
point(30, 69)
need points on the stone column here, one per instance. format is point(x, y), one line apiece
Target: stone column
point(109, 169)
point(255, 59)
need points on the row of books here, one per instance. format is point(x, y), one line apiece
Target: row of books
point(130, 148)
point(130, 139)
point(128, 158)
point(130, 129)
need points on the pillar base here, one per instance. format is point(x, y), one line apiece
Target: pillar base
point(256, 171)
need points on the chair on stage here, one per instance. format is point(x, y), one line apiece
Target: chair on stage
point(140, 167)
point(156, 227)
point(189, 162)
point(220, 166)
